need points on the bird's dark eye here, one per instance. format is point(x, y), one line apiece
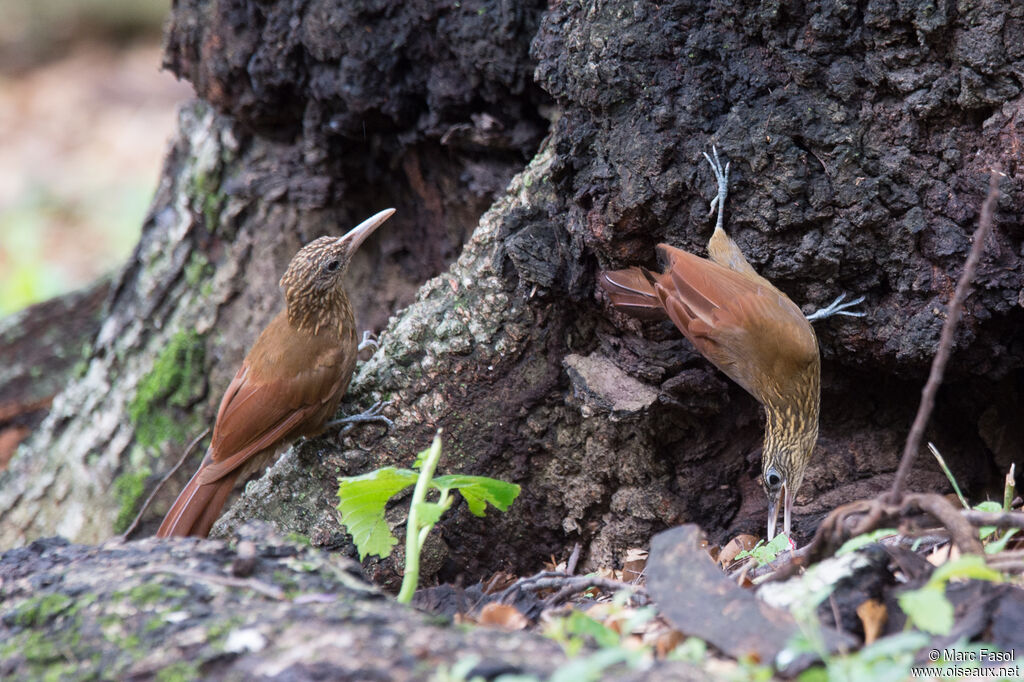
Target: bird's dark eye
point(333, 265)
point(772, 478)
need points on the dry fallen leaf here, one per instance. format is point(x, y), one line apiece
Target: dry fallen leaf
point(667, 642)
point(633, 565)
point(942, 554)
point(873, 616)
point(502, 616)
point(740, 543)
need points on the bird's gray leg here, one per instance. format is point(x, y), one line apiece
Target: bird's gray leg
point(722, 175)
point(837, 307)
point(371, 415)
point(369, 341)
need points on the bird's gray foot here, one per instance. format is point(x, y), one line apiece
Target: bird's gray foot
point(722, 175)
point(837, 307)
point(369, 341)
point(371, 415)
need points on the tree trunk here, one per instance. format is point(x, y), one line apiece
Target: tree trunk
point(860, 140)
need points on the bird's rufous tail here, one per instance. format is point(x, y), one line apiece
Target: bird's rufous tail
point(198, 506)
point(632, 291)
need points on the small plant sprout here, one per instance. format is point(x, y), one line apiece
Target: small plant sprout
point(765, 553)
point(363, 500)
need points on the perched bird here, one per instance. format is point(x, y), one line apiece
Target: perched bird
point(748, 329)
point(289, 385)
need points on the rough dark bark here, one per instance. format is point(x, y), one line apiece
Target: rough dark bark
point(860, 138)
point(256, 608)
point(41, 349)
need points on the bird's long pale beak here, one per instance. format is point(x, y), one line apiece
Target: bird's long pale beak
point(358, 234)
point(786, 498)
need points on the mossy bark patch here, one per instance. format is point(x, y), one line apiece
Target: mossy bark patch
point(176, 382)
point(171, 609)
point(128, 488)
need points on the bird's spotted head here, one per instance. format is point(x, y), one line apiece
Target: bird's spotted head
point(782, 471)
point(313, 281)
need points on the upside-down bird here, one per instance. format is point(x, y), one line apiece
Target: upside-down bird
point(288, 386)
point(748, 329)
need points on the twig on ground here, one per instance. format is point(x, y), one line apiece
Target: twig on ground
point(1007, 562)
point(149, 500)
point(581, 583)
point(1008, 567)
point(567, 585)
point(963, 288)
point(998, 519)
point(862, 516)
point(574, 558)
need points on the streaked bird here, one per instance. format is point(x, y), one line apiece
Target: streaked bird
point(289, 384)
point(748, 329)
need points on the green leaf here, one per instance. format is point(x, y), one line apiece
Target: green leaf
point(362, 502)
point(815, 674)
point(866, 539)
point(591, 667)
point(693, 650)
point(479, 490)
point(429, 513)
point(928, 609)
point(969, 566)
point(985, 532)
point(765, 553)
point(887, 660)
point(579, 623)
point(999, 545)
point(949, 474)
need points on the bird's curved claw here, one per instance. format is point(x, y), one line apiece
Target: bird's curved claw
point(372, 414)
point(369, 341)
point(837, 307)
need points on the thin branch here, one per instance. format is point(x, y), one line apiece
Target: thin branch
point(581, 583)
point(574, 558)
point(567, 586)
point(149, 500)
point(963, 288)
point(997, 519)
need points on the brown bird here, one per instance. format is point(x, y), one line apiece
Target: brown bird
point(289, 385)
point(748, 329)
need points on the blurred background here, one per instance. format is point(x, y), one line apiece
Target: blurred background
point(85, 119)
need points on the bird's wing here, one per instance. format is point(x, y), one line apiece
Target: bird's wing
point(258, 412)
point(745, 326)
